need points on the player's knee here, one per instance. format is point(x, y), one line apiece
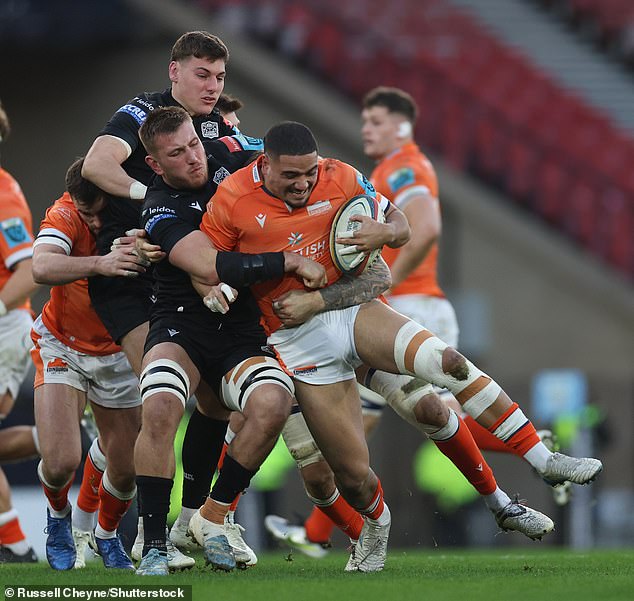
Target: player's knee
point(270, 405)
point(300, 442)
point(160, 421)
point(352, 479)
point(319, 480)
point(431, 411)
point(161, 380)
point(262, 376)
point(61, 467)
point(454, 364)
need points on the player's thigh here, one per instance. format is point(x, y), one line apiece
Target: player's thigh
point(435, 313)
point(208, 403)
point(333, 415)
point(58, 411)
point(375, 330)
point(133, 344)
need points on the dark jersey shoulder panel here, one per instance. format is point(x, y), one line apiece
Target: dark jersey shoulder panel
point(169, 215)
point(126, 122)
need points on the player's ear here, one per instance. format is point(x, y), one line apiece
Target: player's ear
point(404, 130)
point(154, 165)
point(173, 71)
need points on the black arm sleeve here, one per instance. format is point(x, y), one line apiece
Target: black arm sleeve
point(242, 269)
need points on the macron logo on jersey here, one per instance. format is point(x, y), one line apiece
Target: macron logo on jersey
point(137, 113)
point(195, 205)
point(261, 219)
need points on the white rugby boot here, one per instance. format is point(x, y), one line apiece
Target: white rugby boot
point(245, 555)
point(520, 518)
point(83, 542)
point(213, 539)
point(175, 559)
point(371, 551)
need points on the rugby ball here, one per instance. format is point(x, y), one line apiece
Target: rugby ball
point(345, 257)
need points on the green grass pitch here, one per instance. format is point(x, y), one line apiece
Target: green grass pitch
point(429, 575)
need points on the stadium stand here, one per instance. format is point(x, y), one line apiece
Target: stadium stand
point(609, 23)
point(486, 109)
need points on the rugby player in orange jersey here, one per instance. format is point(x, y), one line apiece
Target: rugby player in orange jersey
point(76, 360)
point(405, 174)
point(284, 187)
point(16, 285)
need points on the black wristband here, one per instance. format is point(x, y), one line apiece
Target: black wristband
point(242, 269)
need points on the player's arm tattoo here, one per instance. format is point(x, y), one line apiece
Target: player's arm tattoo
point(354, 290)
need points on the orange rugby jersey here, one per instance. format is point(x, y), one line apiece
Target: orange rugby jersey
point(68, 314)
point(406, 171)
point(242, 216)
point(16, 227)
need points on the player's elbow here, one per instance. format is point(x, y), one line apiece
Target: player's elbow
point(39, 273)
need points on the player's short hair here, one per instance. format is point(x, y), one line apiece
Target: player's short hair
point(81, 189)
point(227, 103)
point(394, 100)
point(200, 44)
point(160, 121)
point(289, 137)
point(5, 126)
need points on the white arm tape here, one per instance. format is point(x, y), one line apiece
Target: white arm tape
point(137, 190)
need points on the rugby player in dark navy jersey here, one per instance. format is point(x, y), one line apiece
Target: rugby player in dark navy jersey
point(190, 347)
point(116, 163)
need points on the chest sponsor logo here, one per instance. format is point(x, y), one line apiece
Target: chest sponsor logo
point(220, 175)
point(306, 370)
point(295, 238)
point(57, 366)
point(14, 232)
point(209, 129)
point(261, 219)
point(314, 251)
point(321, 206)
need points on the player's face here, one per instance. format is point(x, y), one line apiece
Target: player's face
point(379, 131)
point(90, 214)
point(291, 178)
point(197, 83)
point(180, 158)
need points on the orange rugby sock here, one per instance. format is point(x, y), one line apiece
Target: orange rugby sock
point(112, 507)
point(515, 430)
point(11, 531)
point(465, 455)
point(88, 498)
point(484, 439)
point(319, 526)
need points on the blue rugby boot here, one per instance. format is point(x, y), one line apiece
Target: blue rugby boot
point(113, 554)
point(60, 546)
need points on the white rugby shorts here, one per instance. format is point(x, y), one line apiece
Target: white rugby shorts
point(321, 350)
point(436, 314)
point(15, 344)
point(107, 380)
